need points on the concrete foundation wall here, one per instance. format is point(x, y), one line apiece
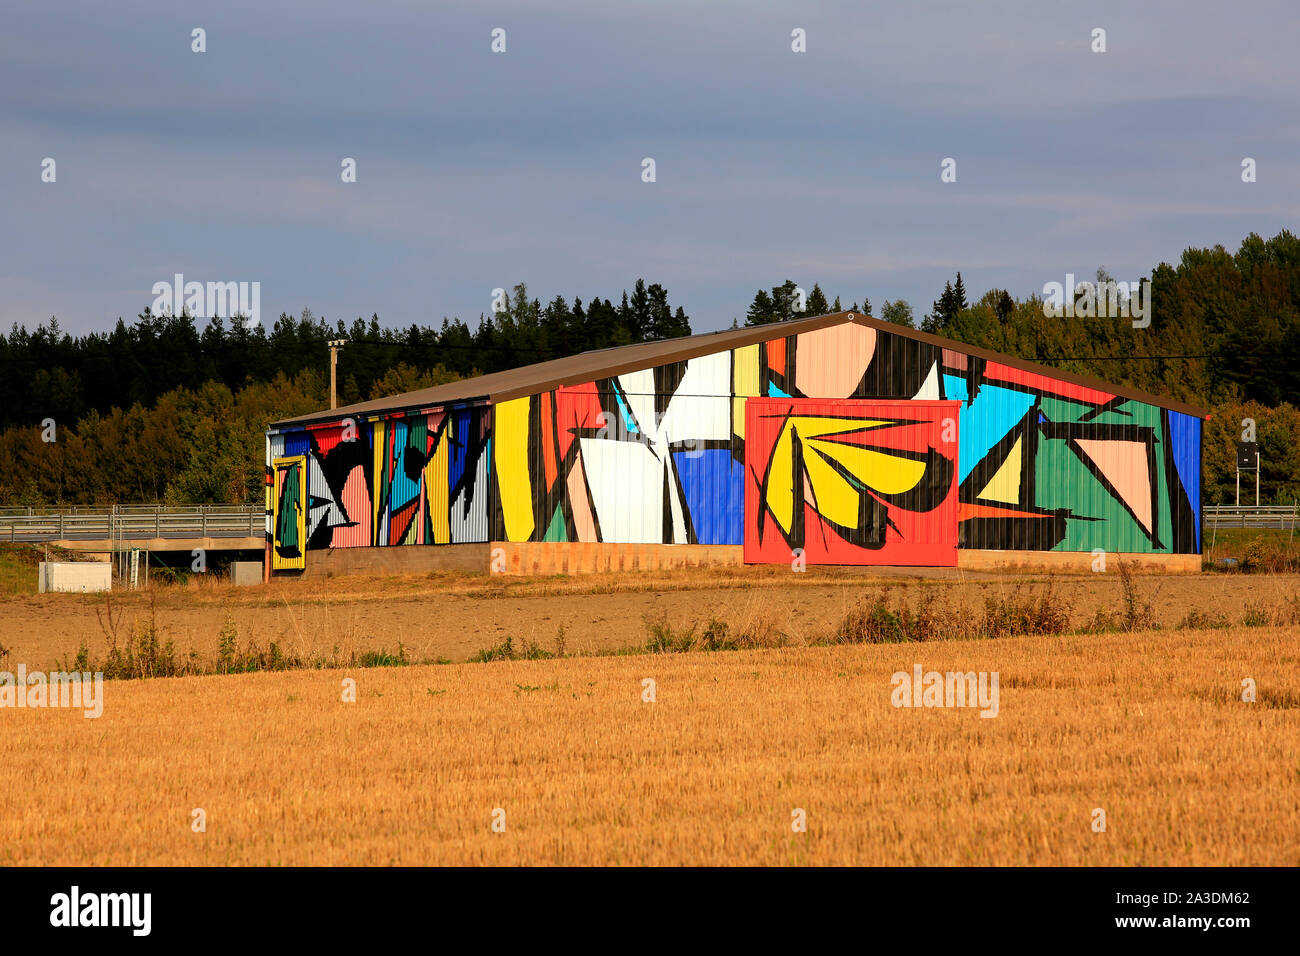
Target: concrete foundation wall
point(81, 577)
point(577, 557)
point(409, 559)
point(559, 557)
point(1072, 561)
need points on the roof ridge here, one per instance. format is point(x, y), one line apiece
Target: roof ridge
point(580, 367)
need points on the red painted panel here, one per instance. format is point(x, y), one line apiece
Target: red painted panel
point(577, 408)
point(548, 438)
point(996, 372)
point(776, 355)
point(851, 481)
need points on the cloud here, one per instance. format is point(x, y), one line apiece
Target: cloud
point(478, 170)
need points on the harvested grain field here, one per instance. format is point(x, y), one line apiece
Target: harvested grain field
point(1149, 727)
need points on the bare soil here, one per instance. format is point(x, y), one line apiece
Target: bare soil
point(454, 615)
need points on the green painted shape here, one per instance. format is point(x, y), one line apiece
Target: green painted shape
point(290, 501)
point(1060, 410)
point(557, 530)
point(1062, 481)
point(417, 434)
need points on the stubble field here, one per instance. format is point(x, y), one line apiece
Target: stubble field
point(575, 766)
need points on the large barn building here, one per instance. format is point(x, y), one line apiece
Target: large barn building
point(837, 439)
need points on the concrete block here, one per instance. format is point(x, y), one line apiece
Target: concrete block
point(83, 577)
point(245, 573)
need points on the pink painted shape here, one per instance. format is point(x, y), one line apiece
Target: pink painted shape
point(583, 523)
point(419, 514)
point(356, 502)
point(830, 362)
point(1124, 463)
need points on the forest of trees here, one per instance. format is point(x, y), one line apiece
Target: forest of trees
point(49, 374)
point(172, 409)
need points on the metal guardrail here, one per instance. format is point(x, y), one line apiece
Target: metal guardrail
point(128, 522)
point(1250, 516)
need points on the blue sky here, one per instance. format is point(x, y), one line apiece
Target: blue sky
point(478, 170)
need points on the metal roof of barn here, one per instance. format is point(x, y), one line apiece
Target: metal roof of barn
point(607, 363)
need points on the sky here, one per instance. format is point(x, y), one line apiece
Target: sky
point(477, 169)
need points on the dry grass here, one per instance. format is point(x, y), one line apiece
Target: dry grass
point(1148, 726)
point(454, 616)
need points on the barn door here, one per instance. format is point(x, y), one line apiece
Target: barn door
point(850, 481)
point(289, 520)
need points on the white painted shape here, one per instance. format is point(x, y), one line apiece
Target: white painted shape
point(327, 512)
point(930, 390)
point(626, 482)
point(702, 406)
point(678, 512)
point(638, 389)
point(472, 528)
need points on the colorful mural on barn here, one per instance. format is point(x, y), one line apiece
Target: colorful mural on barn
point(408, 479)
point(850, 482)
point(289, 533)
point(659, 455)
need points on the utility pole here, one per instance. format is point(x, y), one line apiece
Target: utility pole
point(335, 345)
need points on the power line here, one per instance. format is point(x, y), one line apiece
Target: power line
point(1119, 358)
point(306, 346)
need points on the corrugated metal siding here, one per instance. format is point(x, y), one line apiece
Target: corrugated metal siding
point(851, 482)
point(1051, 466)
point(419, 479)
point(656, 455)
point(624, 460)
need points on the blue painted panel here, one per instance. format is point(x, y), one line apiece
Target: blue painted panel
point(1185, 438)
point(460, 425)
point(985, 422)
point(714, 486)
point(404, 490)
point(296, 443)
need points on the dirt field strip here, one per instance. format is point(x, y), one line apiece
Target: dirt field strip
point(453, 616)
point(1149, 727)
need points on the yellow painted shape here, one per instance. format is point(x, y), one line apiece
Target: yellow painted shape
point(1005, 483)
point(780, 491)
point(817, 426)
point(510, 454)
point(380, 444)
point(744, 372)
point(281, 467)
point(888, 474)
point(437, 491)
point(837, 500)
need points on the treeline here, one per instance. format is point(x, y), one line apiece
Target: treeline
point(1219, 327)
point(1222, 327)
point(163, 410)
point(50, 374)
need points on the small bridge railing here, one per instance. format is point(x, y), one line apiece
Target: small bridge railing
point(131, 522)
